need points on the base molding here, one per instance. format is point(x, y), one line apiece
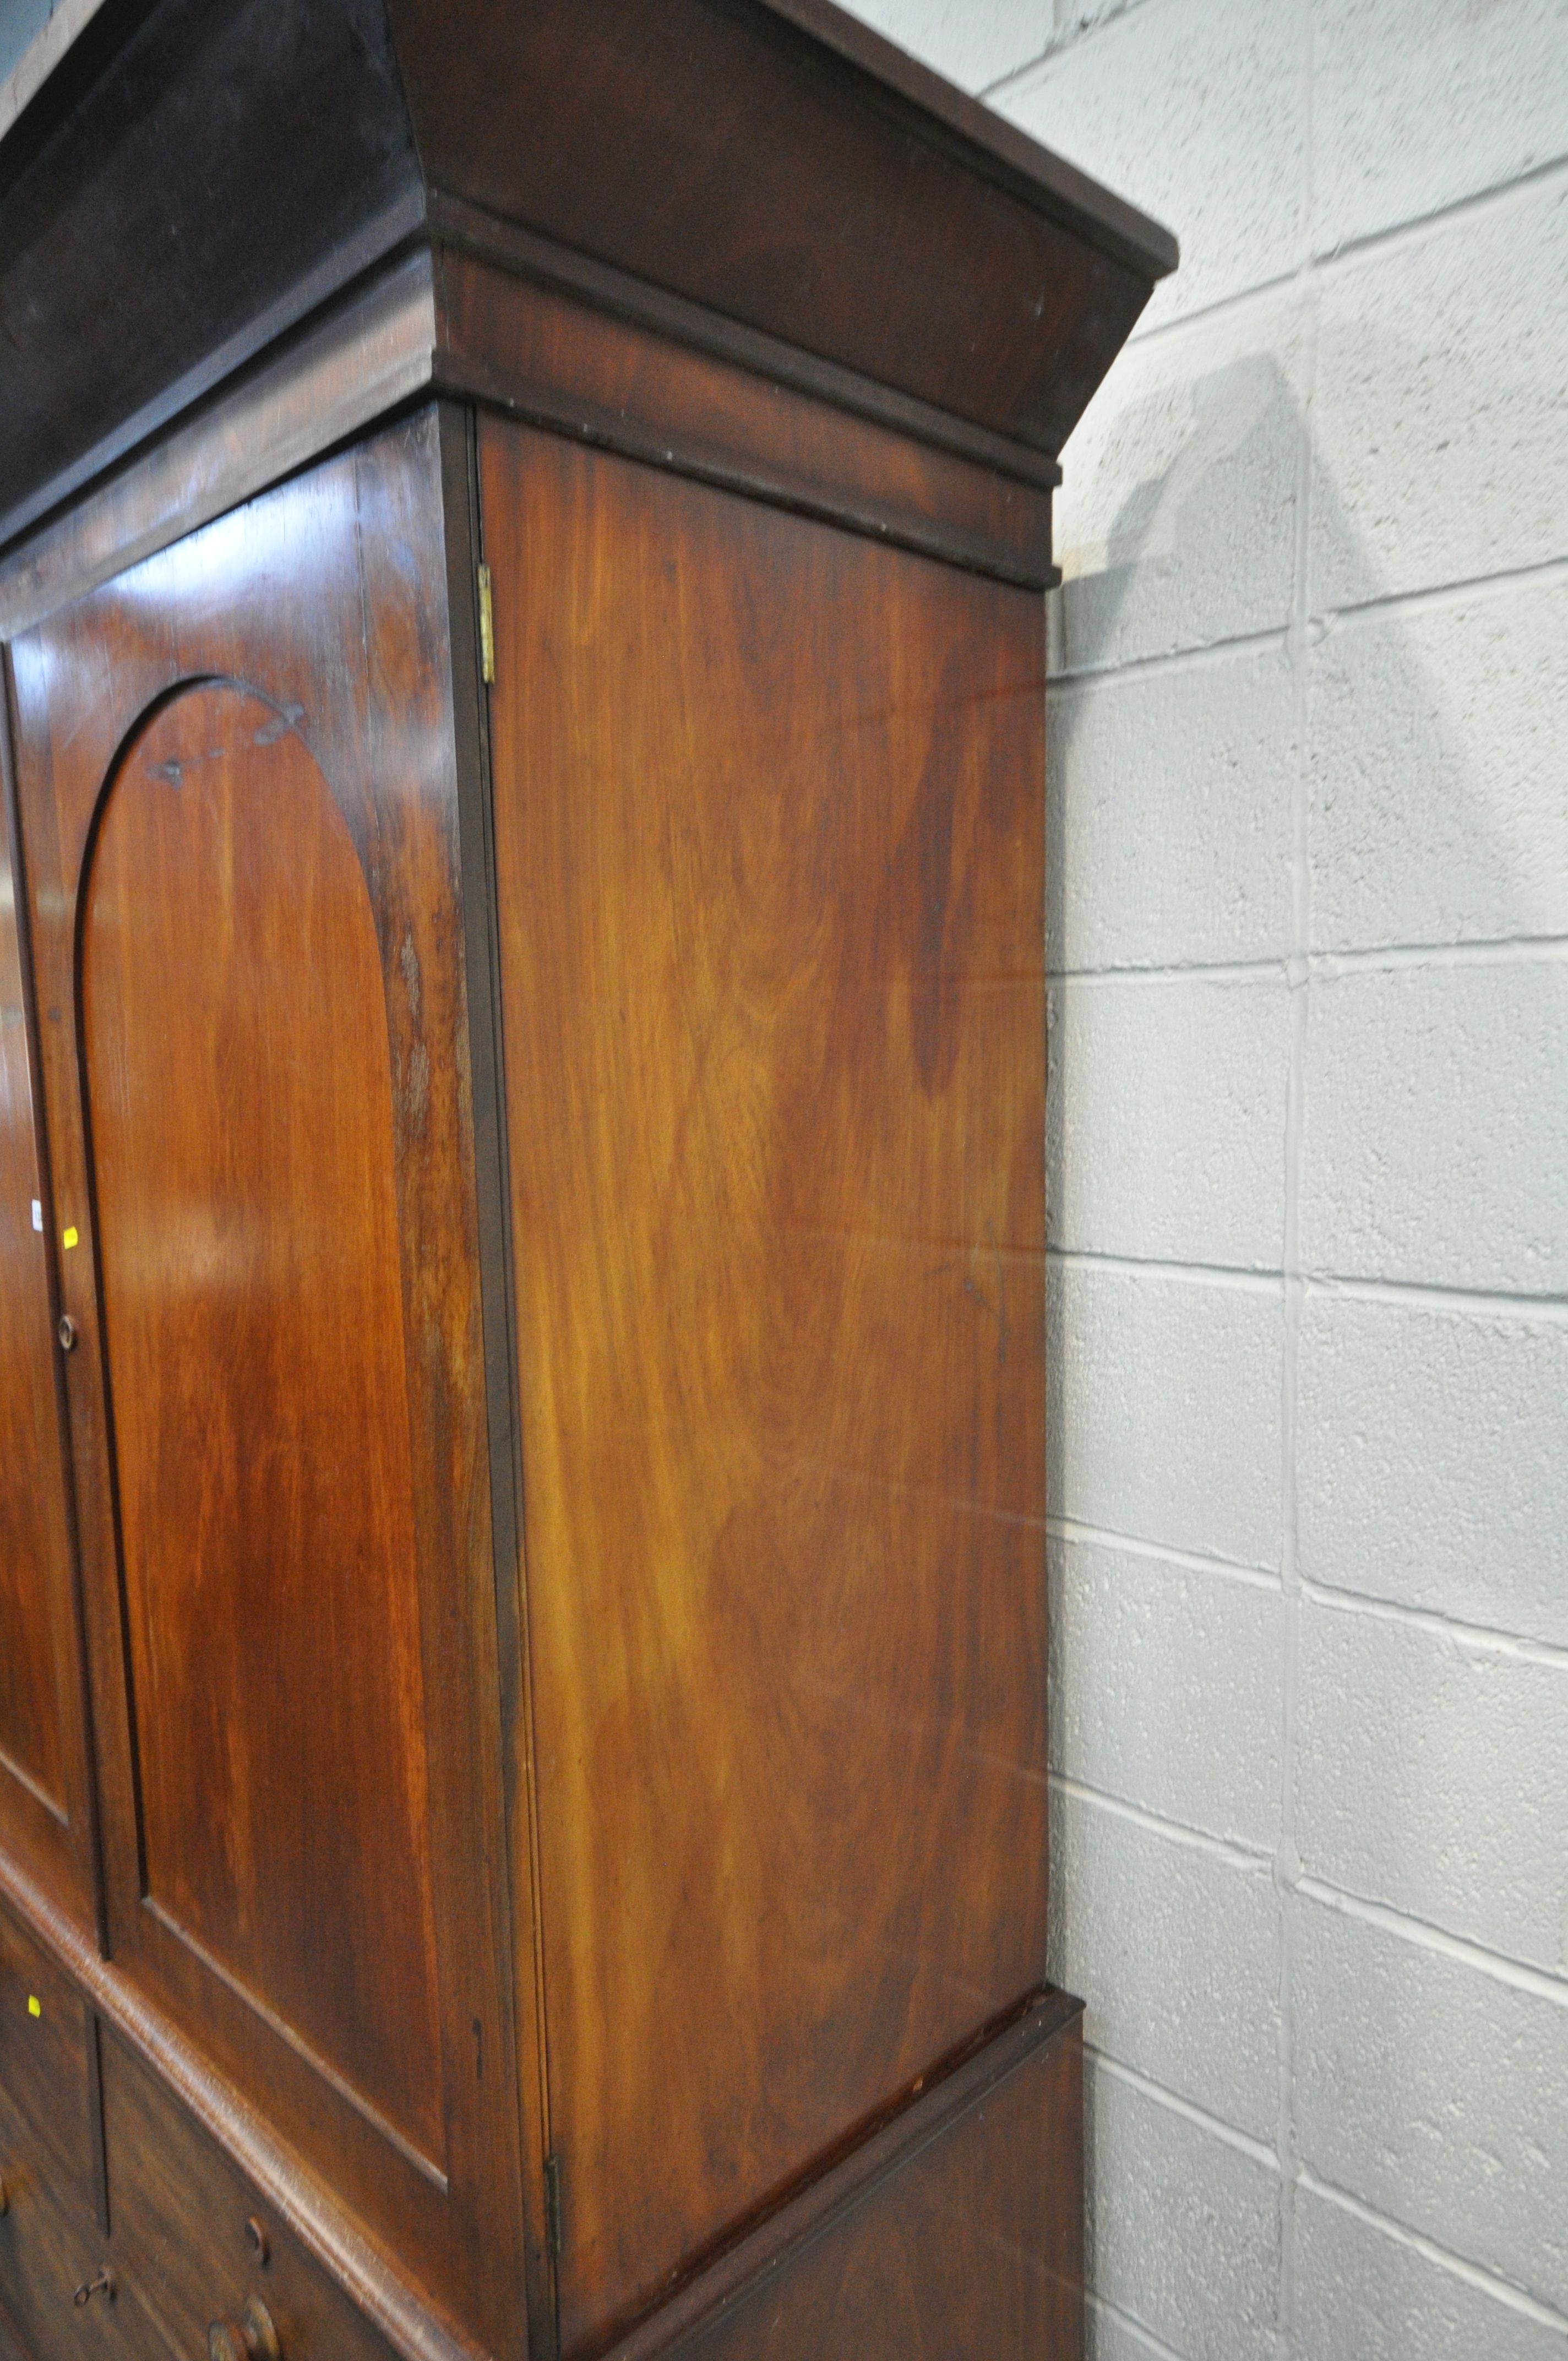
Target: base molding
point(955, 2228)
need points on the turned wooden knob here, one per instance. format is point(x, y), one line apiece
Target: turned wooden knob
point(251, 2337)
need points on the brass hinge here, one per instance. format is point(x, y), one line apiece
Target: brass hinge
point(553, 2205)
point(487, 627)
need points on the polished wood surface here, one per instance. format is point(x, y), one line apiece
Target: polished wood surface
point(208, 172)
point(554, 360)
point(44, 1813)
point(972, 2244)
point(236, 789)
point(769, 846)
point(770, 2251)
point(200, 2241)
point(232, 163)
point(49, 2250)
point(720, 150)
point(33, 1540)
point(314, 2215)
point(367, 356)
point(43, 2061)
point(239, 1089)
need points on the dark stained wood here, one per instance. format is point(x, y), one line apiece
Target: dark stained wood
point(921, 2115)
point(239, 1086)
point(723, 150)
point(465, 229)
point(180, 2213)
point(43, 2059)
point(236, 162)
point(379, 2287)
point(459, 455)
point(227, 166)
point(33, 1542)
point(45, 1809)
point(967, 2241)
point(292, 1429)
point(366, 355)
point(49, 2249)
point(557, 362)
point(768, 805)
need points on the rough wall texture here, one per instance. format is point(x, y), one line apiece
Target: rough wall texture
point(1309, 1171)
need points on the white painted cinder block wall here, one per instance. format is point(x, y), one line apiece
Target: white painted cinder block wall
point(1309, 932)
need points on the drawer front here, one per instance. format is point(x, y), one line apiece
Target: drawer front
point(43, 2058)
point(49, 2250)
point(199, 2240)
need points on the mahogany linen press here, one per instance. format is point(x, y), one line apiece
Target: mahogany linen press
point(523, 1410)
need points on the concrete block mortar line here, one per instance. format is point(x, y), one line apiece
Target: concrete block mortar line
point(1133, 2328)
point(1255, 2151)
point(1482, 1639)
point(1185, 1274)
point(1399, 233)
point(1060, 40)
point(1073, 1528)
point(1419, 1295)
point(1251, 1859)
point(1287, 1858)
point(1442, 2257)
point(1420, 1932)
point(1161, 660)
point(1542, 575)
point(1259, 971)
point(1502, 950)
point(1521, 190)
point(1461, 590)
point(1406, 1293)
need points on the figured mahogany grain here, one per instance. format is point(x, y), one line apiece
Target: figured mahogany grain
point(237, 790)
point(239, 1087)
point(556, 360)
point(768, 806)
point(972, 2245)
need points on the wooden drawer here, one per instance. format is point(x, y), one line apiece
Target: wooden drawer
point(43, 2059)
point(49, 2249)
point(197, 2238)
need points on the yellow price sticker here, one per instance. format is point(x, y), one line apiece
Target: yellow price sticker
point(71, 1239)
point(35, 2005)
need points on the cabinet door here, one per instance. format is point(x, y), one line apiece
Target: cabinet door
point(237, 793)
point(45, 1821)
point(769, 858)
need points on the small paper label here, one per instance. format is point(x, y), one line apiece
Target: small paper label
point(35, 2005)
point(70, 1239)
point(38, 1215)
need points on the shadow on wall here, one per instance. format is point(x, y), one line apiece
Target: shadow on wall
point(1172, 843)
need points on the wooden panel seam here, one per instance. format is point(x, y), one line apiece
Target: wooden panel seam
point(468, 229)
point(404, 2316)
point(895, 2142)
point(544, 407)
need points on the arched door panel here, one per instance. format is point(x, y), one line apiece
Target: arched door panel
point(44, 1817)
point(235, 1054)
point(237, 789)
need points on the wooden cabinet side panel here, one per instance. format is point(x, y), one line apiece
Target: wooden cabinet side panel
point(974, 2246)
point(769, 863)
